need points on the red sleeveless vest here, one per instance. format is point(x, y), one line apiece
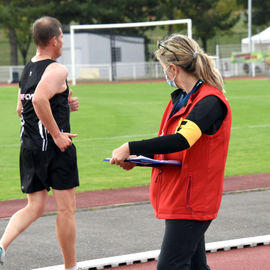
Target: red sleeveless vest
point(193, 190)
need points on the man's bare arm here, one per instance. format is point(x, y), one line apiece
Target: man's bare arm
point(53, 82)
point(19, 104)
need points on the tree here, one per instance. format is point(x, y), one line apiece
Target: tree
point(166, 10)
point(111, 11)
point(17, 17)
point(209, 16)
point(29, 12)
point(260, 12)
point(117, 11)
point(7, 21)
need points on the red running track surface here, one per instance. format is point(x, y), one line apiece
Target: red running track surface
point(135, 194)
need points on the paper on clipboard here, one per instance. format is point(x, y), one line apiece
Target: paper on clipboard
point(145, 161)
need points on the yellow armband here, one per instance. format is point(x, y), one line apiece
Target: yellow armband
point(189, 130)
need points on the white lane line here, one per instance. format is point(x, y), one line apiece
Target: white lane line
point(115, 137)
point(254, 126)
point(137, 135)
point(96, 139)
point(152, 255)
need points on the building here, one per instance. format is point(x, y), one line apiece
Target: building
point(104, 56)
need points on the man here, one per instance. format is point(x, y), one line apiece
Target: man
point(47, 157)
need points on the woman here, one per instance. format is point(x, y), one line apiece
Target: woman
point(195, 130)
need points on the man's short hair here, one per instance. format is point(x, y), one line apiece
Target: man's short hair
point(44, 29)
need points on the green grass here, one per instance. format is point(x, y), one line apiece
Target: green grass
point(249, 150)
point(111, 114)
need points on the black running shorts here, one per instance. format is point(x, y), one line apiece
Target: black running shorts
point(41, 170)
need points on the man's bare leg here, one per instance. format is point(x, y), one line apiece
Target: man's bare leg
point(24, 217)
point(66, 224)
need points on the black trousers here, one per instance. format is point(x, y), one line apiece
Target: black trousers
point(183, 246)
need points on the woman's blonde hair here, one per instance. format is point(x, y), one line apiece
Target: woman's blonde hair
point(185, 52)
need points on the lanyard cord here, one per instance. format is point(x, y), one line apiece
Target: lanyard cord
point(183, 98)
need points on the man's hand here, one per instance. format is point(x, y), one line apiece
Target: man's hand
point(63, 141)
point(73, 102)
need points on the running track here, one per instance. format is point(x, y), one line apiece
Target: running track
point(248, 258)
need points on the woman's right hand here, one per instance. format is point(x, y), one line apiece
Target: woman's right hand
point(119, 155)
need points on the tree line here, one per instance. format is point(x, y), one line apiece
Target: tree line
point(209, 17)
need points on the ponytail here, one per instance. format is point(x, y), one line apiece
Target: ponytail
point(206, 70)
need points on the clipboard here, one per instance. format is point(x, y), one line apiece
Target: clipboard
point(145, 161)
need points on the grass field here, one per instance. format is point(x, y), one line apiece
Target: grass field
point(111, 114)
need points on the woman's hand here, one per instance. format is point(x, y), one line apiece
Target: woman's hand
point(119, 155)
point(128, 165)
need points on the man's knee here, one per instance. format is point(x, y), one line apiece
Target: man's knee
point(37, 209)
point(66, 211)
point(65, 201)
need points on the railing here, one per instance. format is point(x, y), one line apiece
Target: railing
point(117, 71)
point(10, 74)
point(137, 71)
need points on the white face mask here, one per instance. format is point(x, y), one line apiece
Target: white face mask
point(170, 82)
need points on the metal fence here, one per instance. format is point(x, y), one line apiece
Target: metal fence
point(10, 74)
point(229, 69)
point(138, 71)
point(117, 71)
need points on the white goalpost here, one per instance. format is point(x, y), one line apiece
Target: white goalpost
point(73, 28)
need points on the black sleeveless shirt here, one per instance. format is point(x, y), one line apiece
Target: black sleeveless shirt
point(33, 134)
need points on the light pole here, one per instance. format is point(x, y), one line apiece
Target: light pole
point(250, 47)
point(250, 25)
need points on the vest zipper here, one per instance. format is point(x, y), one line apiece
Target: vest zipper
point(158, 182)
point(189, 194)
